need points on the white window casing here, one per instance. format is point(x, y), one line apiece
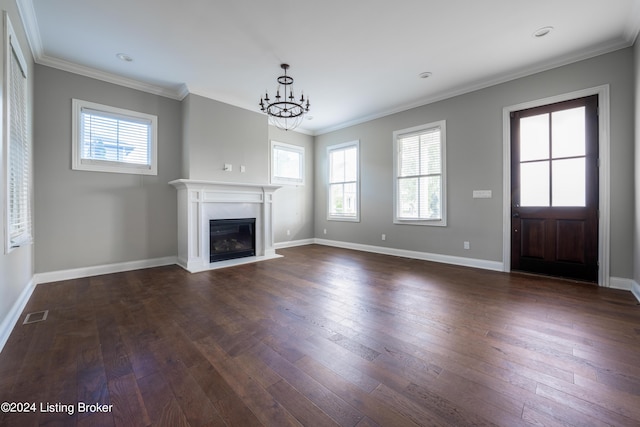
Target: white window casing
point(343, 182)
point(287, 164)
point(419, 170)
point(110, 139)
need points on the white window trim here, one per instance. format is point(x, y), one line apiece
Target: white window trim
point(25, 237)
point(77, 163)
point(342, 146)
point(287, 147)
point(443, 158)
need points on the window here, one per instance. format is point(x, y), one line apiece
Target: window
point(109, 139)
point(420, 179)
point(287, 164)
point(343, 192)
point(17, 145)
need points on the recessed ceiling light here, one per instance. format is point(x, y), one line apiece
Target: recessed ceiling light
point(425, 75)
point(124, 57)
point(541, 32)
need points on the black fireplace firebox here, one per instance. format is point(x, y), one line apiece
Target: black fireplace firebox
point(231, 238)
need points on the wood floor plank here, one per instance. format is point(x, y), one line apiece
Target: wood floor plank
point(592, 409)
point(227, 403)
point(331, 404)
point(300, 406)
point(160, 402)
point(327, 336)
point(382, 412)
point(128, 406)
point(258, 400)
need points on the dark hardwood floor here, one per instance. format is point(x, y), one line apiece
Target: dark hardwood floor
point(323, 337)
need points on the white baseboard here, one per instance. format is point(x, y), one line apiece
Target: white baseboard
point(294, 243)
point(635, 290)
point(76, 273)
point(8, 323)
point(625, 285)
point(620, 283)
point(425, 256)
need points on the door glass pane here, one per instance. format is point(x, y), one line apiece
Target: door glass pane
point(534, 184)
point(568, 132)
point(569, 182)
point(534, 138)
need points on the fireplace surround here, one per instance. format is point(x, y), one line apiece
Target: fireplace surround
point(202, 201)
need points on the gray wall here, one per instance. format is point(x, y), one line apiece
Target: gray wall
point(16, 268)
point(85, 218)
point(293, 205)
point(215, 133)
point(474, 162)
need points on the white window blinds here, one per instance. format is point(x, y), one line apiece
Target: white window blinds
point(109, 137)
point(18, 227)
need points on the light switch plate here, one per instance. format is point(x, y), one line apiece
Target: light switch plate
point(482, 194)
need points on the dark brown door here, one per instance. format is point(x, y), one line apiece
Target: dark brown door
point(554, 189)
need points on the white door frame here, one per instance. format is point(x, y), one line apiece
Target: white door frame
point(603, 175)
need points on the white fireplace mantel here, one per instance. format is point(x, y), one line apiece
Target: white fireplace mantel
point(201, 201)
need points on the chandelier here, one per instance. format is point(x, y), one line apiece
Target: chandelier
point(285, 112)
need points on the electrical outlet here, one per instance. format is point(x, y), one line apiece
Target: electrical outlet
point(325, 231)
point(288, 232)
point(384, 237)
point(243, 169)
point(228, 167)
point(466, 245)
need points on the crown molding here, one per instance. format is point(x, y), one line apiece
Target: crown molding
point(31, 28)
point(632, 29)
point(483, 84)
point(30, 24)
point(178, 93)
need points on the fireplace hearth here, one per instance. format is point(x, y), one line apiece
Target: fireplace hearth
point(231, 238)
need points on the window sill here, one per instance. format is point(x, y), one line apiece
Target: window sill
point(428, 223)
point(343, 219)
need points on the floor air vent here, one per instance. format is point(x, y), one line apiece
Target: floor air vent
point(38, 316)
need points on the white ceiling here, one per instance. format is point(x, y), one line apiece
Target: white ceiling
point(355, 59)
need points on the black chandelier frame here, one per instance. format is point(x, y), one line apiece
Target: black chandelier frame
point(285, 111)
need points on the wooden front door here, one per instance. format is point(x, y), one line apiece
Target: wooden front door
point(554, 189)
